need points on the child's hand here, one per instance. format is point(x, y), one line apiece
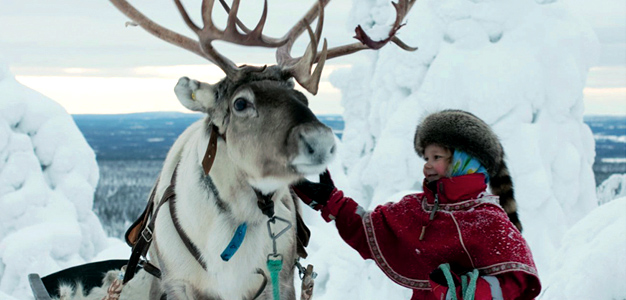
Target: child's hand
point(314, 194)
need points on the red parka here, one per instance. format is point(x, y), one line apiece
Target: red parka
point(469, 230)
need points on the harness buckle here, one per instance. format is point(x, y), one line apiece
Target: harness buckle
point(273, 236)
point(303, 272)
point(146, 234)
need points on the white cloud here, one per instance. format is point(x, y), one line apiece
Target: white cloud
point(149, 88)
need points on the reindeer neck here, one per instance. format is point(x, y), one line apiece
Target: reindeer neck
point(233, 192)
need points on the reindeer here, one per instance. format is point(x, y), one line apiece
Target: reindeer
point(221, 176)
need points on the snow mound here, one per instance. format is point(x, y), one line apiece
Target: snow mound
point(612, 188)
point(48, 175)
point(590, 263)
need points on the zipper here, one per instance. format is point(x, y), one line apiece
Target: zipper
point(435, 208)
point(433, 211)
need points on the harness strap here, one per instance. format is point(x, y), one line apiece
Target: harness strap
point(140, 241)
point(275, 266)
point(263, 284)
point(150, 268)
point(209, 155)
point(142, 244)
point(134, 231)
point(265, 203)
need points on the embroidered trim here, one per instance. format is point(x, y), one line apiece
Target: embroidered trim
point(382, 263)
point(464, 205)
point(508, 267)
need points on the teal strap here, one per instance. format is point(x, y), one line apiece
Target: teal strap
point(468, 283)
point(464, 282)
point(469, 289)
point(275, 266)
point(235, 242)
point(448, 274)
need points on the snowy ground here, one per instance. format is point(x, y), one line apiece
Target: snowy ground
point(590, 264)
point(519, 65)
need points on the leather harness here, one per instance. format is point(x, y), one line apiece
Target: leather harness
point(140, 234)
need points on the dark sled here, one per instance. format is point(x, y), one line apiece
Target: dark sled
point(89, 275)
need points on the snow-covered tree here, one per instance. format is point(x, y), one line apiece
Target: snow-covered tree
point(48, 175)
point(612, 188)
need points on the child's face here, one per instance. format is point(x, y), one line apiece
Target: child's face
point(437, 161)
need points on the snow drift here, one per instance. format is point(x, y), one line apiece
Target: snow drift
point(590, 263)
point(48, 174)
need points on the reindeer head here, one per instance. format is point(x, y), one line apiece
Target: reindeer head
point(269, 129)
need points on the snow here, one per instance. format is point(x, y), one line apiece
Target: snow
point(612, 188)
point(519, 65)
point(590, 263)
point(48, 174)
point(612, 138)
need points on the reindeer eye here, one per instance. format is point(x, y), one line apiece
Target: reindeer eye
point(240, 104)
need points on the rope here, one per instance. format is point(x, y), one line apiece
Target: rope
point(115, 289)
point(468, 283)
point(469, 290)
point(448, 274)
point(275, 266)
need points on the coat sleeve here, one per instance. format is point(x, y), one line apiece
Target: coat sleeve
point(518, 285)
point(348, 216)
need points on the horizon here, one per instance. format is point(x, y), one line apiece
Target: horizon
point(200, 114)
point(601, 95)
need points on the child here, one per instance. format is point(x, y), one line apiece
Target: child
point(453, 241)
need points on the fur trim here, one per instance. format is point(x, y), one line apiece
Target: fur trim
point(461, 130)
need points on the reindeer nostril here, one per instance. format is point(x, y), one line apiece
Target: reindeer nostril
point(332, 149)
point(309, 148)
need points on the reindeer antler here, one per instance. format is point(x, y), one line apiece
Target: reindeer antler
point(299, 68)
point(207, 34)
point(402, 9)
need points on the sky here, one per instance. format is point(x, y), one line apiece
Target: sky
point(80, 54)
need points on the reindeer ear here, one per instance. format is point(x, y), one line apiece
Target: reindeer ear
point(195, 95)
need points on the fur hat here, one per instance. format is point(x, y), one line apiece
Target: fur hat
point(457, 129)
